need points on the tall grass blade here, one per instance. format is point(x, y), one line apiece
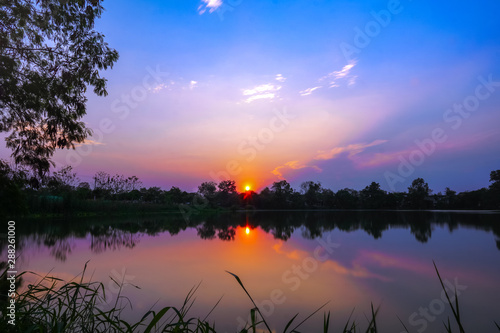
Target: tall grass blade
point(255, 305)
point(406, 329)
point(253, 320)
point(374, 322)
point(156, 319)
point(455, 314)
point(307, 318)
point(326, 322)
point(447, 327)
point(348, 320)
point(189, 301)
point(213, 308)
point(290, 323)
point(372, 326)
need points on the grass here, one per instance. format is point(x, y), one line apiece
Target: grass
point(76, 306)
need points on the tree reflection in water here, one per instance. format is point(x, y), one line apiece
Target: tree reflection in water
point(112, 239)
point(114, 234)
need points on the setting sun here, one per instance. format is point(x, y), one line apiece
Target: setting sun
point(247, 230)
point(247, 188)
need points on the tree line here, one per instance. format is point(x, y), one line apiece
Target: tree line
point(62, 192)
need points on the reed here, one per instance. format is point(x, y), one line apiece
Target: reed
point(52, 305)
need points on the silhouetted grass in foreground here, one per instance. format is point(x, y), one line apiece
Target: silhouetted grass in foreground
point(76, 306)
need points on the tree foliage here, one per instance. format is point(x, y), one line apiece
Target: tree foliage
point(60, 193)
point(418, 194)
point(207, 189)
point(311, 191)
point(49, 55)
point(283, 193)
point(227, 186)
point(495, 188)
point(12, 199)
point(63, 180)
point(373, 196)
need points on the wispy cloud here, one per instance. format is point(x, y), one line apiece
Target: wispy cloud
point(352, 149)
point(334, 77)
point(475, 142)
point(210, 5)
point(171, 85)
point(308, 91)
point(280, 78)
point(260, 96)
point(162, 86)
point(377, 159)
point(263, 88)
point(89, 142)
point(352, 80)
point(293, 165)
point(193, 84)
point(263, 91)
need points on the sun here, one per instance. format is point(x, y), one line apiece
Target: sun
point(247, 230)
point(247, 188)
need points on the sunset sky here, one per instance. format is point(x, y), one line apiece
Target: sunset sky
point(341, 92)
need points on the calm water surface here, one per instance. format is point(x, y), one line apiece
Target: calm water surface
point(290, 262)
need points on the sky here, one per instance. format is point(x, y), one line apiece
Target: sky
point(340, 92)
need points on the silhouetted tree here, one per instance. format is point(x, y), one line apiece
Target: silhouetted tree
point(12, 199)
point(395, 200)
point(311, 191)
point(62, 181)
point(264, 199)
point(49, 55)
point(477, 199)
point(133, 183)
point(175, 196)
point(346, 199)
point(495, 188)
point(282, 194)
point(418, 194)
point(102, 184)
point(450, 198)
point(327, 198)
point(152, 194)
point(227, 195)
point(227, 186)
point(83, 191)
point(208, 191)
point(372, 196)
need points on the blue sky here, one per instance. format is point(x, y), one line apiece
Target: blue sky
point(201, 88)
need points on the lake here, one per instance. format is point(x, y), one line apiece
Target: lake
point(290, 262)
